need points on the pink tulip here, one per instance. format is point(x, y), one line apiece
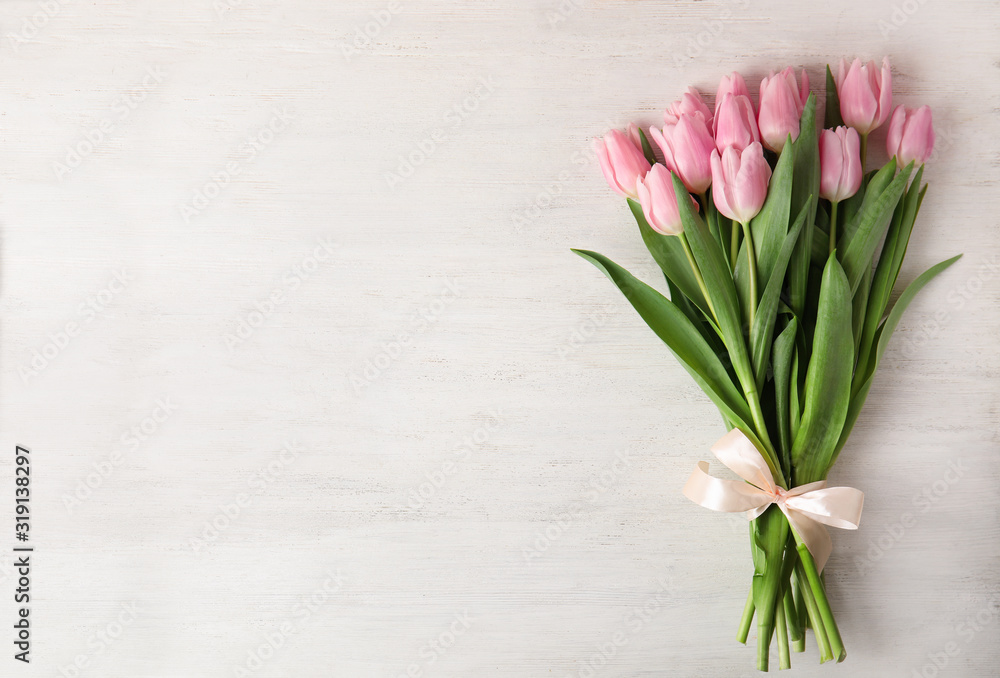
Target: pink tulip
point(740, 181)
point(621, 161)
point(781, 104)
point(735, 123)
point(690, 103)
point(865, 94)
point(687, 148)
point(911, 135)
point(659, 202)
point(730, 84)
point(839, 163)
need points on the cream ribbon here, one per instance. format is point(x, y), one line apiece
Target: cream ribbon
point(807, 507)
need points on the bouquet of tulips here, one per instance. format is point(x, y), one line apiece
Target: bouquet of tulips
point(780, 255)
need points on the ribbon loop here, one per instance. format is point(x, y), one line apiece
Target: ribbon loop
point(808, 508)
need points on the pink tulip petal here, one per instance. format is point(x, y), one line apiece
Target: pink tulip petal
point(858, 104)
point(885, 93)
point(853, 172)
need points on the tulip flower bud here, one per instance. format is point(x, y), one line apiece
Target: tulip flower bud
point(911, 135)
point(839, 163)
point(659, 202)
point(865, 94)
point(739, 181)
point(735, 123)
point(621, 161)
point(690, 103)
point(781, 104)
point(730, 84)
point(687, 148)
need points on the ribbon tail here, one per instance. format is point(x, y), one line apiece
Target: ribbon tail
point(738, 453)
point(813, 534)
point(730, 496)
point(833, 506)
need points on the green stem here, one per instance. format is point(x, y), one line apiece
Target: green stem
point(749, 389)
point(746, 620)
point(751, 271)
point(819, 594)
point(833, 226)
point(815, 620)
point(784, 658)
point(791, 618)
point(800, 604)
point(697, 275)
point(795, 630)
point(770, 529)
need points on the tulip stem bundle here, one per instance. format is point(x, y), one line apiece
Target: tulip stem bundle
point(786, 339)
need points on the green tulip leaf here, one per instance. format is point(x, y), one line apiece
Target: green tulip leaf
point(805, 188)
point(832, 117)
point(767, 309)
point(668, 253)
point(647, 150)
point(784, 350)
point(866, 373)
point(771, 224)
point(719, 282)
point(828, 378)
point(861, 202)
point(873, 222)
point(680, 335)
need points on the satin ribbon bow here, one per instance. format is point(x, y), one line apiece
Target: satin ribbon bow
point(807, 507)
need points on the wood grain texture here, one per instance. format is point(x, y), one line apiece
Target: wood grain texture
point(356, 250)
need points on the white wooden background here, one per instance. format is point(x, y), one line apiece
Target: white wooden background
point(484, 446)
